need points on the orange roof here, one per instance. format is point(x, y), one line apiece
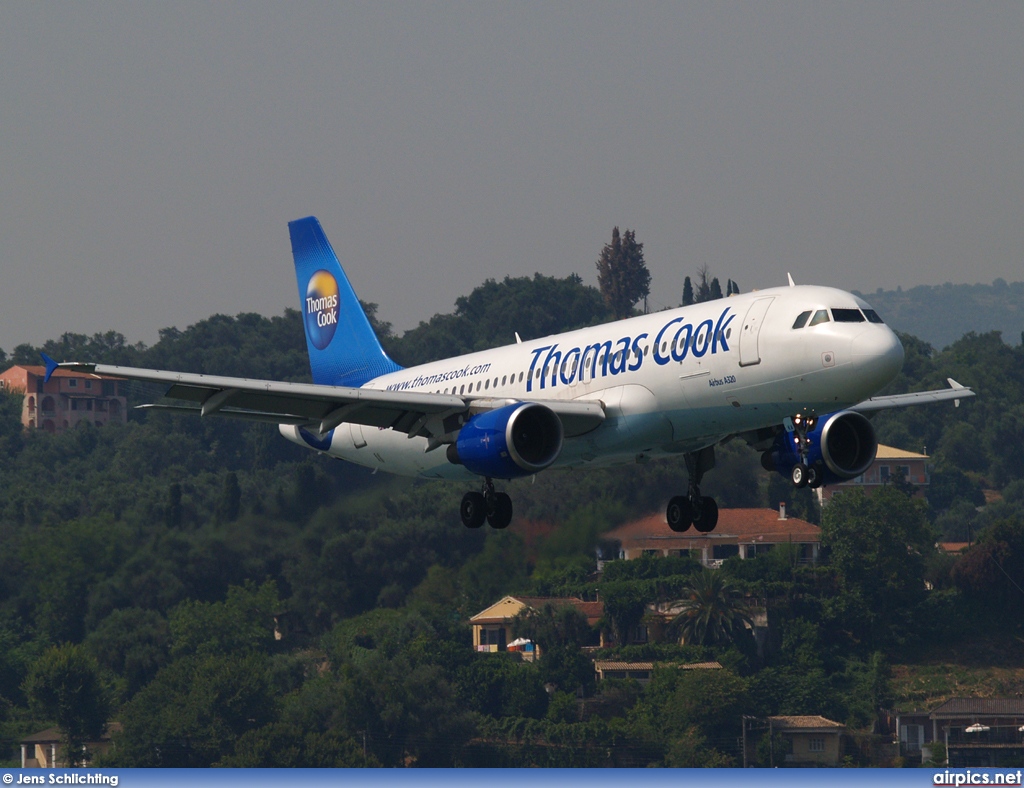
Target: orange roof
point(991, 496)
point(744, 525)
point(953, 547)
point(892, 453)
point(805, 723)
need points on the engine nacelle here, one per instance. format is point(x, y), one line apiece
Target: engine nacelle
point(843, 444)
point(516, 440)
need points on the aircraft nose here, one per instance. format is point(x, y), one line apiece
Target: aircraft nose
point(879, 353)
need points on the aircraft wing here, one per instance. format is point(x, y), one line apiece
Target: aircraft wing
point(322, 408)
point(955, 392)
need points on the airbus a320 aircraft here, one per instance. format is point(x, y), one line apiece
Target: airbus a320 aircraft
point(790, 370)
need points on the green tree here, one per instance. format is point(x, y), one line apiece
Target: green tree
point(230, 503)
point(624, 605)
point(687, 292)
point(552, 625)
point(243, 622)
point(559, 630)
point(131, 643)
point(64, 685)
point(680, 706)
point(194, 711)
point(877, 546)
point(703, 290)
point(501, 686)
point(992, 572)
point(712, 610)
point(622, 274)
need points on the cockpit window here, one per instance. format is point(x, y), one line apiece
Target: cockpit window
point(847, 316)
point(801, 320)
point(821, 316)
point(872, 316)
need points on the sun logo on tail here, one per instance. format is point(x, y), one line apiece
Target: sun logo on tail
point(320, 309)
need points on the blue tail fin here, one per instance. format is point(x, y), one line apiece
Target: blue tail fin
point(343, 350)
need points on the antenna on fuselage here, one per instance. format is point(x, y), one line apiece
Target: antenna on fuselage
point(518, 340)
point(790, 277)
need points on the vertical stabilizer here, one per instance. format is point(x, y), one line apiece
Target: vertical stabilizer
point(343, 350)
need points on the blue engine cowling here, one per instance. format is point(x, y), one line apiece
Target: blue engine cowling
point(516, 440)
point(842, 444)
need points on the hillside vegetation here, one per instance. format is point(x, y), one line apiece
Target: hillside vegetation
point(941, 314)
point(144, 566)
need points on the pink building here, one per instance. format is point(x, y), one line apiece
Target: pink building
point(67, 399)
point(888, 463)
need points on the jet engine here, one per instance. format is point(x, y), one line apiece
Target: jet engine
point(841, 446)
point(516, 440)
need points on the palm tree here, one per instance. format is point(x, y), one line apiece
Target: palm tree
point(711, 610)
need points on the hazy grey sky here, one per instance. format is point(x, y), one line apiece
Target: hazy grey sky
point(151, 154)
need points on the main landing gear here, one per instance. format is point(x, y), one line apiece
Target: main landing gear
point(803, 474)
point(694, 509)
point(495, 507)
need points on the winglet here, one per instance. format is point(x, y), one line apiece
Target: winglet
point(954, 385)
point(51, 367)
point(789, 276)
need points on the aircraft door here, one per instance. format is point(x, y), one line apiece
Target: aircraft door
point(750, 353)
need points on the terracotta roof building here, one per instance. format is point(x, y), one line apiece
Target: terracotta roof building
point(888, 462)
point(67, 399)
point(742, 532)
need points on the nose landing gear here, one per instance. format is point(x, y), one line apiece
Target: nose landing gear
point(804, 474)
point(700, 511)
point(487, 504)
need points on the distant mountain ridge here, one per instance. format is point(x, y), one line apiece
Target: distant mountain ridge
point(941, 314)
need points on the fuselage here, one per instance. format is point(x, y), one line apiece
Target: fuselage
point(670, 382)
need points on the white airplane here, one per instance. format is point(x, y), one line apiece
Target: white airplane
point(791, 370)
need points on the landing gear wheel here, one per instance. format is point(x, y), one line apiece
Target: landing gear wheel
point(679, 514)
point(814, 476)
point(799, 475)
point(707, 518)
point(473, 510)
point(500, 514)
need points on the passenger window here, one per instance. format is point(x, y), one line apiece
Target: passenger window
point(847, 316)
point(821, 316)
point(872, 316)
point(487, 384)
point(520, 377)
point(801, 319)
point(503, 379)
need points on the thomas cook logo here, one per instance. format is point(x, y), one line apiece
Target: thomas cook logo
point(321, 309)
